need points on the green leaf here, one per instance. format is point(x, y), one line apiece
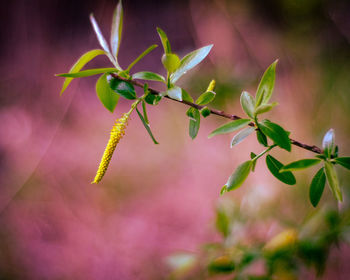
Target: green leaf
point(221, 264)
point(153, 99)
point(248, 104)
point(190, 61)
point(276, 133)
point(85, 58)
point(186, 96)
point(264, 108)
point(145, 112)
point(206, 98)
point(87, 73)
point(142, 55)
point(343, 161)
point(103, 42)
point(333, 181)
point(116, 29)
point(123, 88)
point(205, 112)
point(240, 136)
point(146, 126)
point(164, 40)
point(230, 127)
point(317, 187)
point(106, 95)
point(300, 164)
point(266, 85)
point(170, 61)
point(222, 222)
point(194, 123)
point(261, 138)
point(175, 93)
point(239, 176)
point(149, 76)
point(223, 190)
point(274, 166)
point(328, 143)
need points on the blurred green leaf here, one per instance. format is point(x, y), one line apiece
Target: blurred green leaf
point(87, 73)
point(243, 134)
point(84, 59)
point(149, 76)
point(222, 264)
point(175, 93)
point(205, 112)
point(142, 55)
point(276, 133)
point(106, 95)
point(261, 138)
point(252, 156)
point(222, 222)
point(170, 61)
point(274, 166)
point(230, 127)
point(328, 143)
point(317, 187)
point(186, 96)
point(266, 85)
point(333, 181)
point(238, 177)
point(146, 126)
point(103, 41)
point(343, 161)
point(206, 98)
point(248, 103)
point(194, 123)
point(164, 40)
point(264, 108)
point(123, 88)
point(116, 29)
point(300, 164)
point(190, 61)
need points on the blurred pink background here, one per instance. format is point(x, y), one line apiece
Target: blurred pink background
point(154, 199)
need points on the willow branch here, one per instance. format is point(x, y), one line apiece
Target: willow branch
point(311, 148)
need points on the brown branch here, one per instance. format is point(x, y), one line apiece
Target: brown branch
point(310, 148)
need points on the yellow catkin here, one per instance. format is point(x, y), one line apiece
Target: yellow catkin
point(117, 133)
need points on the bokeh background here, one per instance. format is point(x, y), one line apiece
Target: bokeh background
point(157, 199)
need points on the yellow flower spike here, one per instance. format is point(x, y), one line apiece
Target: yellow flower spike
point(211, 86)
point(117, 133)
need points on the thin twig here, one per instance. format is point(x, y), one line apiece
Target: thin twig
point(310, 148)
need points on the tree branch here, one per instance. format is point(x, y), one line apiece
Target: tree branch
point(310, 148)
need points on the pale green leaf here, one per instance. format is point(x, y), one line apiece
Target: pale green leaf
point(238, 177)
point(333, 181)
point(230, 127)
point(266, 85)
point(248, 104)
point(175, 93)
point(87, 73)
point(243, 134)
point(190, 61)
point(116, 30)
point(149, 76)
point(300, 164)
point(206, 98)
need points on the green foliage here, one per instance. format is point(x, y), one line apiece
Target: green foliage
point(149, 76)
point(123, 88)
point(317, 187)
point(275, 166)
point(300, 164)
point(230, 127)
point(238, 177)
point(276, 133)
point(106, 95)
point(240, 136)
point(84, 59)
point(110, 87)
